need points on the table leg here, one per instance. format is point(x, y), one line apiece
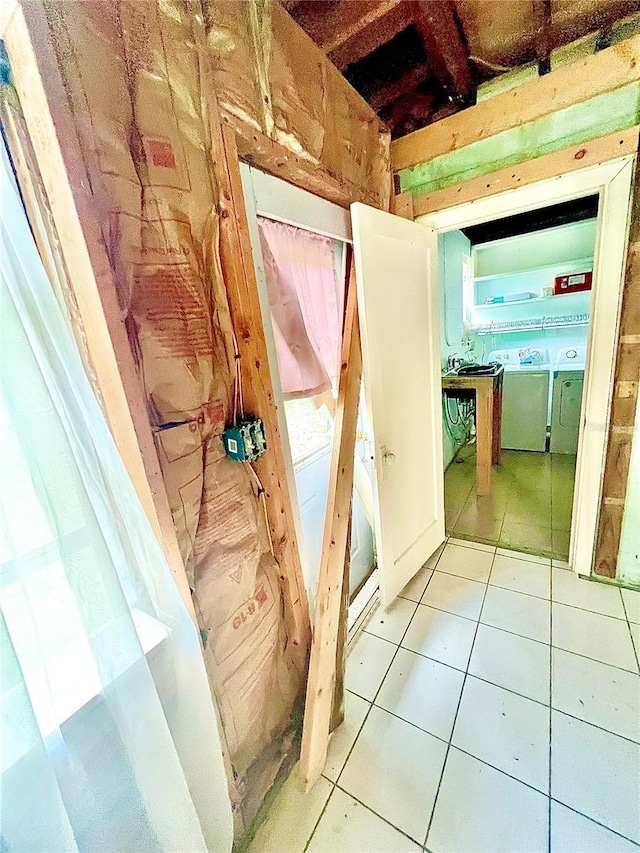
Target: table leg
point(497, 420)
point(484, 439)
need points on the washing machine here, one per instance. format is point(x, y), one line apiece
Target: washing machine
point(525, 397)
point(566, 401)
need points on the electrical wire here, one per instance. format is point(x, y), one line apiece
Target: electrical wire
point(238, 404)
point(263, 501)
point(463, 418)
point(492, 65)
point(238, 397)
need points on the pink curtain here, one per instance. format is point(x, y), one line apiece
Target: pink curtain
point(306, 300)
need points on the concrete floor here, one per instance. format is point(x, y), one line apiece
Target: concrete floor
point(528, 510)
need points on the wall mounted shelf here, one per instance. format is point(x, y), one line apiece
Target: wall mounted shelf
point(535, 325)
point(576, 265)
point(533, 301)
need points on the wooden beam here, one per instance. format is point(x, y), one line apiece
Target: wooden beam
point(549, 166)
point(50, 123)
point(322, 666)
point(390, 18)
point(594, 75)
point(244, 304)
point(402, 205)
point(259, 150)
point(403, 86)
point(331, 25)
point(448, 56)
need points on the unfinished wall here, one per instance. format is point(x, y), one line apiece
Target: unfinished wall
point(133, 73)
point(271, 77)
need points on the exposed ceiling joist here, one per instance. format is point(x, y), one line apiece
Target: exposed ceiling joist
point(438, 29)
point(417, 61)
point(399, 88)
point(382, 21)
point(331, 23)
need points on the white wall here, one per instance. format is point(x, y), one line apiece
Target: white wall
point(452, 248)
point(528, 251)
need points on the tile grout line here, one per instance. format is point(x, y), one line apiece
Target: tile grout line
point(321, 815)
point(372, 703)
point(507, 690)
point(455, 718)
point(596, 822)
point(386, 820)
point(636, 651)
point(366, 716)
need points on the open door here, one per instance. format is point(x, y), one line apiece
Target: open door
point(397, 280)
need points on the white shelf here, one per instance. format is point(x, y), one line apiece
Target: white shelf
point(533, 301)
point(520, 326)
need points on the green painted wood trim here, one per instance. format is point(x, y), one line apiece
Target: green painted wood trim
point(596, 117)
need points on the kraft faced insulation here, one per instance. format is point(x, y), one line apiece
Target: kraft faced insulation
point(131, 70)
point(290, 92)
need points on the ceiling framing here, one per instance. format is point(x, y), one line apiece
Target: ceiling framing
point(417, 61)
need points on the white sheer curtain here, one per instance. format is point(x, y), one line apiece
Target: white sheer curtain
point(108, 734)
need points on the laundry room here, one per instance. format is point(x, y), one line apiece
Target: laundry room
point(515, 314)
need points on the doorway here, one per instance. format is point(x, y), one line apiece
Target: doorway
point(306, 414)
point(611, 182)
point(516, 292)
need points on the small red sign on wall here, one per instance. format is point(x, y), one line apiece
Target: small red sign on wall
point(572, 283)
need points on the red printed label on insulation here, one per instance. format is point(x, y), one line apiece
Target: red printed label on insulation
point(161, 153)
point(252, 606)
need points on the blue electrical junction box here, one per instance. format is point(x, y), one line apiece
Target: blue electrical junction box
point(246, 441)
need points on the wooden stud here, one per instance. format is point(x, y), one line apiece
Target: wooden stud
point(549, 166)
point(244, 304)
point(55, 142)
point(403, 205)
point(595, 75)
point(338, 710)
point(623, 413)
point(322, 666)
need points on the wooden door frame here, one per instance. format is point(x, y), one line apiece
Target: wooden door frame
point(302, 209)
point(612, 180)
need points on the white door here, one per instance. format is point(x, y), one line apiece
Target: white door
point(396, 272)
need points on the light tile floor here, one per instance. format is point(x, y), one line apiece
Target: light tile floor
point(529, 507)
point(494, 707)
